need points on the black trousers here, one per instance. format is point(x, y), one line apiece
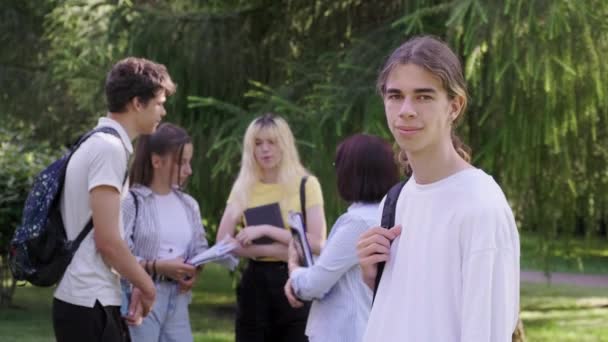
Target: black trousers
point(263, 313)
point(75, 323)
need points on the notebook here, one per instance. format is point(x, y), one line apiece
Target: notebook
point(264, 214)
point(300, 240)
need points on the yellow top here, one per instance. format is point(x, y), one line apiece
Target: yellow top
point(288, 197)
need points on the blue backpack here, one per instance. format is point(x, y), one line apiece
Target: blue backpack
point(40, 251)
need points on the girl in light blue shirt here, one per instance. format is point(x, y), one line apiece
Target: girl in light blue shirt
point(365, 169)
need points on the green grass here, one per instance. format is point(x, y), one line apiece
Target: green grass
point(564, 313)
point(212, 311)
point(565, 254)
point(31, 320)
point(550, 313)
point(212, 308)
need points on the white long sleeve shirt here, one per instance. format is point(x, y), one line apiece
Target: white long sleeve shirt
point(453, 273)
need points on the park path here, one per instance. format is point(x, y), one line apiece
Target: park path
point(584, 280)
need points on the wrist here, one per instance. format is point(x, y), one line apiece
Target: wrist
point(370, 282)
point(154, 274)
point(241, 252)
point(292, 267)
point(264, 229)
point(144, 285)
point(159, 267)
point(149, 290)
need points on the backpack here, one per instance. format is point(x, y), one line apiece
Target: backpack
point(40, 251)
point(388, 221)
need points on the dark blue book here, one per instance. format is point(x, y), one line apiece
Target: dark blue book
point(264, 214)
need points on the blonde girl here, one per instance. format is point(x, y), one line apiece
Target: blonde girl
point(271, 175)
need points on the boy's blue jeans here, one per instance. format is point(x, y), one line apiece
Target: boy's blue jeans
point(169, 319)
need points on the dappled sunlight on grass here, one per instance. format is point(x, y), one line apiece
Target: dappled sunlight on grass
point(212, 308)
point(212, 311)
point(564, 313)
point(570, 325)
point(593, 302)
point(598, 252)
point(551, 313)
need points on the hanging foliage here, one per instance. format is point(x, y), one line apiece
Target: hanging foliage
point(537, 119)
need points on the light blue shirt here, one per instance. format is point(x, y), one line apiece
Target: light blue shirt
point(342, 301)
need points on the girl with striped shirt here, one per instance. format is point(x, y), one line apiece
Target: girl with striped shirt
point(163, 228)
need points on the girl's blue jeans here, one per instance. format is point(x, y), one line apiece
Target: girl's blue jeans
point(169, 319)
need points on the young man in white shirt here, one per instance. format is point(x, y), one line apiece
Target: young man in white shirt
point(452, 270)
point(87, 300)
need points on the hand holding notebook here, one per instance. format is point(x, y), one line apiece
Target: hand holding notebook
point(219, 253)
point(269, 214)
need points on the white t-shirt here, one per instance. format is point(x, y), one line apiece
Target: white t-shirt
point(174, 229)
point(453, 273)
point(100, 160)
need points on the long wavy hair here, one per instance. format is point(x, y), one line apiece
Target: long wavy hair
point(436, 57)
point(290, 167)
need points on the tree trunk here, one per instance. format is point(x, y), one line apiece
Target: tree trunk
point(7, 284)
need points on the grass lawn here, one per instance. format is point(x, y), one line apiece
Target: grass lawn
point(212, 311)
point(565, 254)
point(550, 313)
point(564, 313)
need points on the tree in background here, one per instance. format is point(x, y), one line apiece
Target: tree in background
point(537, 119)
point(31, 95)
point(21, 161)
point(232, 60)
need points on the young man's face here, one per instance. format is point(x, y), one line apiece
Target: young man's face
point(150, 114)
point(418, 110)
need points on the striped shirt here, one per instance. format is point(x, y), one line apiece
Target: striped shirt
point(342, 301)
point(142, 233)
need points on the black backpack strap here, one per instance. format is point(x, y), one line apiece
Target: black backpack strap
point(388, 221)
point(87, 135)
point(89, 226)
point(303, 199)
point(85, 231)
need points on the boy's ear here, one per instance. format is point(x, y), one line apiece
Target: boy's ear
point(134, 105)
point(456, 107)
point(137, 103)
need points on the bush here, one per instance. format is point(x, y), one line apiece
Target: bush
point(20, 161)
